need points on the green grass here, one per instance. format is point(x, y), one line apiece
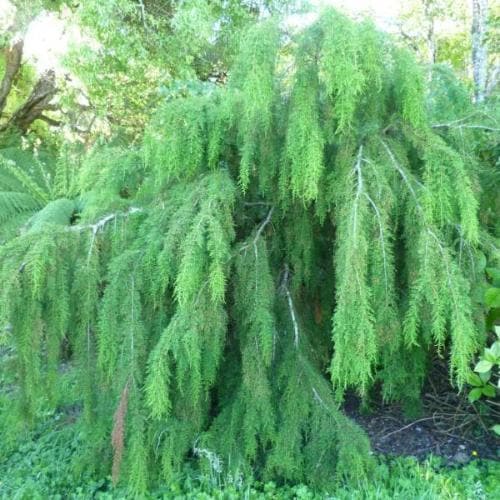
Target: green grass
point(43, 464)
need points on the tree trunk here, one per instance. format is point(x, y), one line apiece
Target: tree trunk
point(479, 48)
point(36, 104)
point(430, 38)
point(13, 56)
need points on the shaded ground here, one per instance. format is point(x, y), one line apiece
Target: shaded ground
point(448, 427)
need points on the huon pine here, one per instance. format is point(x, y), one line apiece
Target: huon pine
point(299, 227)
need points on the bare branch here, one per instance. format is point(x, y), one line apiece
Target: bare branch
point(263, 225)
point(100, 224)
point(284, 287)
point(357, 169)
point(483, 127)
point(51, 121)
point(259, 231)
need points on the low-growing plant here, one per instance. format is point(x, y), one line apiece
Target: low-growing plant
point(43, 467)
point(485, 380)
point(486, 377)
point(492, 296)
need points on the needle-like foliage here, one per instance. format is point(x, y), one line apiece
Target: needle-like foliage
point(301, 226)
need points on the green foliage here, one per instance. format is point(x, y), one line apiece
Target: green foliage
point(147, 46)
point(341, 66)
point(486, 371)
point(34, 184)
point(255, 79)
point(304, 141)
point(409, 89)
point(492, 296)
point(44, 464)
point(183, 122)
point(187, 282)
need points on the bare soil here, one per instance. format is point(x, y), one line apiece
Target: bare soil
point(449, 427)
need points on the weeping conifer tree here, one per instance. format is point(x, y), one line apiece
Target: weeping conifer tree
point(276, 242)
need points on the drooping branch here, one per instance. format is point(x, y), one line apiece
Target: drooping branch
point(404, 176)
point(13, 57)
point(36, 104)
point(382, 239)
point(95, 228)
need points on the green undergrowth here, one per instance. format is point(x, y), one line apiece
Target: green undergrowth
point(48, 462)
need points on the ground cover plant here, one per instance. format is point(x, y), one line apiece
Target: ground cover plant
point(206, 298)
point(45, 465)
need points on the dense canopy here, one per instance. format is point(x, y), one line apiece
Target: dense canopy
point(303, 225)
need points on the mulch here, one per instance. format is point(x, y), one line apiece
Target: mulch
point(449, 427)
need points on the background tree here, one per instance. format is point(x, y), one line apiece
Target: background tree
point(479, 47)
point(151, 49)
point(441, 31)
point(23, 110)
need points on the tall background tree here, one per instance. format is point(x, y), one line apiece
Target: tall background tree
point(479, 48)
point(460, 33)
